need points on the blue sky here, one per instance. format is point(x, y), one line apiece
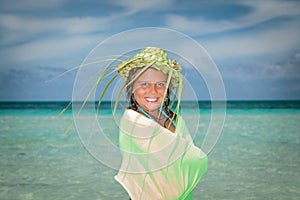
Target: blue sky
point(255, 44)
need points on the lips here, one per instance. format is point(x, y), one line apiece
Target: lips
point(151, 100)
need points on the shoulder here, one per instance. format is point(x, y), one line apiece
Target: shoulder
point(136, 117)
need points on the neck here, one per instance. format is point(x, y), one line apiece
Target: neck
point(159, 116)
point(153, 114)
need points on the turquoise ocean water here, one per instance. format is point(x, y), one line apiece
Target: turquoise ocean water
point(256, 157)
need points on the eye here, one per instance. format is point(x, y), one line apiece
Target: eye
point(144, 84)
point(161, 84)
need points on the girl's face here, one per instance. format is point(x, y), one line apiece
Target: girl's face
point(149, 89)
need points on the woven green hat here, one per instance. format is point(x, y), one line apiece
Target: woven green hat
point(151, 57)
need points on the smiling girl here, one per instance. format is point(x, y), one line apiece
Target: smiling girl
point(160, 160)
point(147, 97)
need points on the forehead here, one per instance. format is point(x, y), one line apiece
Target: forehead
point(152, 75)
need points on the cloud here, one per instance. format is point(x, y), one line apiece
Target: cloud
point(277, 80)
point(24, 84)
point(59, 34)
point(47, 33)
point(31, 5)
point(135, 6)
point(41, 40)
point(199, 26)
point(285, 70)
point(266, 10)
point(51, 49)
point(245, 36)
point(16, 29)
point(275, 41)
point(262, 11)
point(288, 69)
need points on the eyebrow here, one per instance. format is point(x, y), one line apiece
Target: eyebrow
point(150, 81)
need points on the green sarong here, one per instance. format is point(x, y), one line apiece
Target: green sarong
point(157, 163)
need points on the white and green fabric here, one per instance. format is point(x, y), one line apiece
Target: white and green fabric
point(157, 163)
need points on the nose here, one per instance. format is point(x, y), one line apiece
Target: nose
point(152, 88)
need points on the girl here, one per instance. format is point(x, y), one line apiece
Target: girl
point(160, 160)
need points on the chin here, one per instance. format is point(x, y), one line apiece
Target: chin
point(153, 107)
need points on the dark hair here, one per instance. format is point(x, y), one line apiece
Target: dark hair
point(129, 83)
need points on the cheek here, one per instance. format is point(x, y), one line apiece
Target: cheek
point(139, 94)
point(161, 91)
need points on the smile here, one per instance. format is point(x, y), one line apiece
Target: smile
point(152, 100)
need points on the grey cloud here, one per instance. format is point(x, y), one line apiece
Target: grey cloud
point(288, 69)
point(22, 84)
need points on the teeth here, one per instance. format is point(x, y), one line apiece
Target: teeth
point(151, 99)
